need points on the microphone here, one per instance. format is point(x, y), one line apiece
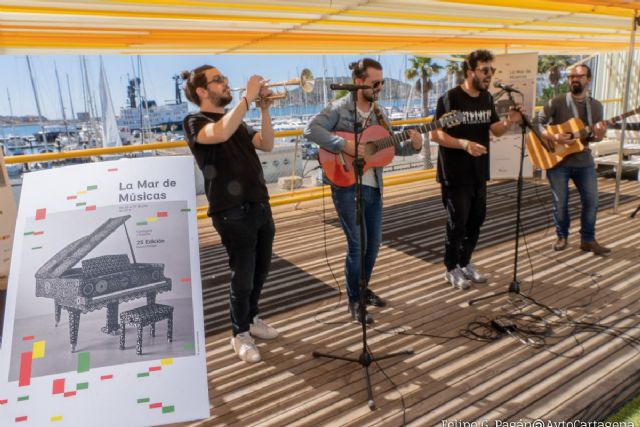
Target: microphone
point(507, 88)
point(347, 86)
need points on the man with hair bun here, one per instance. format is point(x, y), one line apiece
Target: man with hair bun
point(339, 117)
point(224, 147)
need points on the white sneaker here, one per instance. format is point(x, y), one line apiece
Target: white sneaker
point(472, 274)
point(260, 329)
point(245, 348)
point(457, 279)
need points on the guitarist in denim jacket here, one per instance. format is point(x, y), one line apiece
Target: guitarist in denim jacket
point(339, 116)
point(578, 167)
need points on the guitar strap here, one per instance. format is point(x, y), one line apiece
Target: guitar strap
point(571, 104)
point(383, 122)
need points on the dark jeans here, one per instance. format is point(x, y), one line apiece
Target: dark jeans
point(585, 180)
point(344, 199)
point(466, 209)
point(247, 233)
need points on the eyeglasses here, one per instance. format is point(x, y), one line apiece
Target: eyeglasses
point(576, 76)
point(218, 79)
point(377, 84)
point(485, 70)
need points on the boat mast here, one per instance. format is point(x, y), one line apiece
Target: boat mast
point(73, 113)
point(13, 127)
point(145, 104)
point(64, 115)
point(324, 80)
point(35, 95)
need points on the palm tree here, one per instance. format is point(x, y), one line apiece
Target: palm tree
point(454, 70)
point(423, 68)
point(553, 64)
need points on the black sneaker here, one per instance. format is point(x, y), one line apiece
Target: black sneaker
point(354, 310)
point(374, 300)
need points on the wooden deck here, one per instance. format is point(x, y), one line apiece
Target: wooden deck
point(572, 374)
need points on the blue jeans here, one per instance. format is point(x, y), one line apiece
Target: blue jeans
point(584, 178)
point(344, 199)
point(247, 233)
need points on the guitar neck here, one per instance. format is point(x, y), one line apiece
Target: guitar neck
point(397, 138)
point(616, 118)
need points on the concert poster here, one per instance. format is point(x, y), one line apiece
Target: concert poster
point(104, 323)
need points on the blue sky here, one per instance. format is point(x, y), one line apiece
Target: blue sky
point(157, 71)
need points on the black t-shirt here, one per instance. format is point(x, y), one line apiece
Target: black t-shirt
point(456, 166)
point(232, 170)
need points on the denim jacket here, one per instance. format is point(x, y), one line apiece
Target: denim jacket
point(338, 117)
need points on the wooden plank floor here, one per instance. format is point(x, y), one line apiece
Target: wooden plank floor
point(576, 372)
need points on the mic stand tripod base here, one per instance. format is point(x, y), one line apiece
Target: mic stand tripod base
point(365, 361)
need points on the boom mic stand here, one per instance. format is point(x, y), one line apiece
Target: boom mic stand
point(514, 286)
point(366, 358)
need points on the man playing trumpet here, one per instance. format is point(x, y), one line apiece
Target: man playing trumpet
point(224, 147)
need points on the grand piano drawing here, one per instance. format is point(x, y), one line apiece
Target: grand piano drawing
point(103, 281)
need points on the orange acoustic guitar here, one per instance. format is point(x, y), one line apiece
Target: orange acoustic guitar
point(547, 154)
point(379, 149)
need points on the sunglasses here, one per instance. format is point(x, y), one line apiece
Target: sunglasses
point(377, 84)
point(576, 76)
point(485, 70)
point(218, 79)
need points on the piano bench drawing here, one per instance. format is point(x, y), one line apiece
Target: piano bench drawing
point(144, 316)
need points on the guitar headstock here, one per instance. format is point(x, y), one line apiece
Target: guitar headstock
point(451, 119)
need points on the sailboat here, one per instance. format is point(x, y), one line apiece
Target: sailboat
point(110, 132)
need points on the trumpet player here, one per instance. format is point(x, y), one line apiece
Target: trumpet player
point(224, 147)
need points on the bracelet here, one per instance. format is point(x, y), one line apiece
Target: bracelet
point(246, 102)
point(465, 146)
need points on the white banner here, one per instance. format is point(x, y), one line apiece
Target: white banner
point(104, 323)
point(520, 71)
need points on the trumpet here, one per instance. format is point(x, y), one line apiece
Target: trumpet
point(305, 82)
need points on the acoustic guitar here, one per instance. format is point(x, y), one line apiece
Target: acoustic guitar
point(379, 148)
point(546, 154)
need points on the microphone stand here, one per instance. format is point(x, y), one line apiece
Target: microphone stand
point(366, 358)
point(514, 286)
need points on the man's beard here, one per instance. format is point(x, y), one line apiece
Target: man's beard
point(369, 96)
point(477, 84)
point(220, 100)
point(576, 88)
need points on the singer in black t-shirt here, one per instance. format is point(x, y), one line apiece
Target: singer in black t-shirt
point(225, 150)
point(463, 164)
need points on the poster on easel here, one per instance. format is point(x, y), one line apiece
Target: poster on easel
point(7, 223)
point(519, 71)
point(104, 323)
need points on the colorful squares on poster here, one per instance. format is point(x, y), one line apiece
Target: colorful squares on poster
point(72, 197)
point(21, 419)
point(38, 350)
point(168, 409)
point(162, 214)
point(166, 362)
point(92, 187)
point(143, 374)
point(24, 378)
point(38, 233)
point(144, 400)
point(4, 401)
point(81, 204)
point(28, 338)
point(141, 223)
point(83, 362)
point(41, 214)
point(58, 386)
point(112, 170)
point(155, 368)
point(90, 208)
point(56, 418)
point(26, 233)
point(185, 280)
point(185, 210)
point(106, 377)
point(35, 248)
point(190, 346)
point(152, 219)
point(69, 393)
point(155, 405)
point(23, 398)
point(82, 386)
